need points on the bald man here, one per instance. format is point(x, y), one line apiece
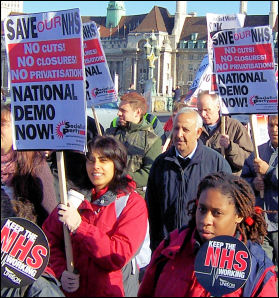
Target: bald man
point(176, 173)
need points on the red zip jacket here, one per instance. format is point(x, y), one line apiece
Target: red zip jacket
point(171, 271)
point(102, 244)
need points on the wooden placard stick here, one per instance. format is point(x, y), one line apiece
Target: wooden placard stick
point(223, 131)
point(64, 200)
point(167, 142)
point(96, 121)
point(256, 151)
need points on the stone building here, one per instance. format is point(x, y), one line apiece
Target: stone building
point(181, 43)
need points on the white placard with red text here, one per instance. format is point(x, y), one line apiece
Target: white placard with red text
point(45, 57)
point(99, 85)
point(218, 22)
point(215, 23)
point(245, 73)
point(204, 79)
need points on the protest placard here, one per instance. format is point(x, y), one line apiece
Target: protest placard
point(99, 85)
point(45, 57)
point(245, 73)
point(219, 22)
point(24, 252)
point(216, 23)
point(205, 77)
point(222, 265)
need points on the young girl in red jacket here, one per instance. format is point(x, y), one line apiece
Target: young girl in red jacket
point(225, 205)
point(107, 230)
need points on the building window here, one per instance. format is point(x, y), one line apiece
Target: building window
point(194, 36)
point(191, 56)
point(190, 66)
point(182, 44)
point(191, 44)
point(190, 77)
point(200, 44)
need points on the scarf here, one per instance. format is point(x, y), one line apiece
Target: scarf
point(8, 167)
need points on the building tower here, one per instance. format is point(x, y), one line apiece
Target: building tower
point(115, 11)
point(273, 13)
point(179, 19)
point(243, 7)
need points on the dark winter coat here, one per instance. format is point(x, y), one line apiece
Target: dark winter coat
point(170, 188)
point(270, 201)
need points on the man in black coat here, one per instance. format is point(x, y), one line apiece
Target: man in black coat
point(176, 173)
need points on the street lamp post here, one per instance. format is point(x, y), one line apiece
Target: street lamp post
point(152, 52)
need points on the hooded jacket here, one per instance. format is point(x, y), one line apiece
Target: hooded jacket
point(103, 243)
point(171, 271)
point(150, 118)
point(143, 146)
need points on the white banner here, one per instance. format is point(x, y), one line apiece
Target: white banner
point(245, 73)
point(99, 85)
point(216, 23)
point(45, 57)
point(219, 22)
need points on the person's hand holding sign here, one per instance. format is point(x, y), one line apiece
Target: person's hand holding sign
point(225, 141)
point(259, 183)
point(260, 166)
point(69, 216)
point(69, 281)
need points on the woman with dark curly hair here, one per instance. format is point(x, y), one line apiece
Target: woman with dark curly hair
point(225, 205)
point(107, 229)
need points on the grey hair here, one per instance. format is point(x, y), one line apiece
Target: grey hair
point(214, 96)
point(199, 122)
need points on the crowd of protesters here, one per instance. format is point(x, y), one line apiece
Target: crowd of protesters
point(145, 209)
